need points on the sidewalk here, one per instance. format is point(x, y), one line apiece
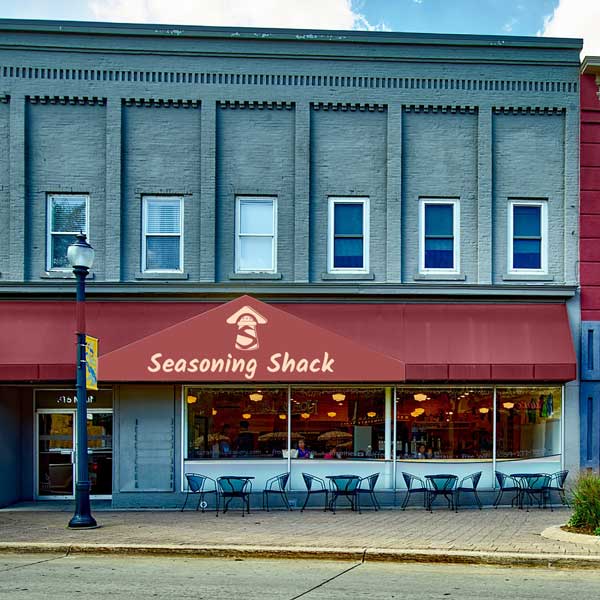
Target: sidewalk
point(503, 536)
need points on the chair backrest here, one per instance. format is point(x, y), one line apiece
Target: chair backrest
point(500, 478)
point(409, 479)
point(308, 480)
point(195, 481)
point(475, 477)
point(281, 480)
point(372, 480)
point(560, 477)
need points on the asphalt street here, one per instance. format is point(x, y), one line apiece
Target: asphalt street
point(40, 576)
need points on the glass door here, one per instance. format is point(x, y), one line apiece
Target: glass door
point(55, 454)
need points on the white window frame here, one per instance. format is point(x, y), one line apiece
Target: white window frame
point(49, 232)
point(239, 235)
point(333, 200)
point(145, 200)
point(543, 204)
point(455, 202)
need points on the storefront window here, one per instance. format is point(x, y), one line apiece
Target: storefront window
point(454, 423)
point(337, 423)
point(236, 423)
point(528, 422)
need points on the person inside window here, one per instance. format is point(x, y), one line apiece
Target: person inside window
point(245, 441)
point(225, 441)
point(303, 451)
point(331, 454)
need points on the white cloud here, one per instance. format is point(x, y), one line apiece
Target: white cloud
point(576, 18)
point(302, 14)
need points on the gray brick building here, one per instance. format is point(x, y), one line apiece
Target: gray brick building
point(414, 196)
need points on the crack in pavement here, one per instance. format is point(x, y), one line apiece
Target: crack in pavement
point(37, 562)
point(326, 581)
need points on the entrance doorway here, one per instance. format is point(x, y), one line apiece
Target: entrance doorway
point(56, 434)
point(56, 456)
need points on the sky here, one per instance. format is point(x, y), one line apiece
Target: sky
point(556, 18)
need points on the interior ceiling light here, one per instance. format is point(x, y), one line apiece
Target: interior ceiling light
point(339, 397)
point(256, 397)
point(246, 416)
point(191, 399)
point(305, 415)
point(484, 409)
point(282, 416)
point(414, 413)
point(508, 405)
point(420, 397)
point(214, 412)
point(419, 411)
point(331, 414)
point(371, 414)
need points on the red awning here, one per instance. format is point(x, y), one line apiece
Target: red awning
point(380, 342)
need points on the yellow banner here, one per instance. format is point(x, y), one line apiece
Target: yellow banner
point(91, 358)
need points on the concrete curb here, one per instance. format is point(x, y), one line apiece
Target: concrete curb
point(556, 533)
point(502, 559)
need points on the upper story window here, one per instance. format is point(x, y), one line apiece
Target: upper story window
point(527, 232)
point(256, 234)
point(162, 235)
point(348, 235)
point(68, 214)
point(439, 225)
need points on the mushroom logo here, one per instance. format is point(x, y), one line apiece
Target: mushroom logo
point(246, 320)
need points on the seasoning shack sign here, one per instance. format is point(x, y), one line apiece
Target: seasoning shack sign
point(247, 340)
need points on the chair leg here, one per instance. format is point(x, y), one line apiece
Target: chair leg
point(186, 499)
point(199, 500)
point(306, 502)
point(498, 498)
point(477, 499)
point(285, 500)
point(405, 501)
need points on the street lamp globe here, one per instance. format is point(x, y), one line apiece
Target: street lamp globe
point(80, 253)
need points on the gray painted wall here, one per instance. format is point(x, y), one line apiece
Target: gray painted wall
point(405, 119)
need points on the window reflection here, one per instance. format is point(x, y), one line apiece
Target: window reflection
point(444, 423)
point(528, 424)
point(338, 423)
point(236, 423)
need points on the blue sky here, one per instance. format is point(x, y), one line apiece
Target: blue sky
point(560, 18)
point(516, 17)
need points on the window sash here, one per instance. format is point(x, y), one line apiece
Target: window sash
point(152, 264)
point(54, 234)
point(261, 263)
point(537, 259)
point(427, 250)
point(336, 239)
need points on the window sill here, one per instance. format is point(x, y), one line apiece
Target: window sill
point(161, 276)
point(256, 275)
point(347, 276)
point(527, 277)
point(63, 275)
point(440, 277)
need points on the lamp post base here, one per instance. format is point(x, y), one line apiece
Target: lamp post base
point(82, 519)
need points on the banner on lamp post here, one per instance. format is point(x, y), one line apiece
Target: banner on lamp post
point(91, 362)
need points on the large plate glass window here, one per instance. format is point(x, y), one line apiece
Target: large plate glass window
point(256, 234)
point(527, 236)
point(439, 236)
point(349, 235)
point(162, 244)
point(68, 214)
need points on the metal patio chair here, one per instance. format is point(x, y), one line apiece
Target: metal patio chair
point(414, 485)
point(370, 482)
point(314, 485)
point(465, 487)
point(507, 484)
point(557, 484)
point(276, 486)
point(197, 486)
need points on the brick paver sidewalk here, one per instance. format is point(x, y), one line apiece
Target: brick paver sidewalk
point(502, 530)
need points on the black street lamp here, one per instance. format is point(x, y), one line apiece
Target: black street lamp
point(81, 258)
